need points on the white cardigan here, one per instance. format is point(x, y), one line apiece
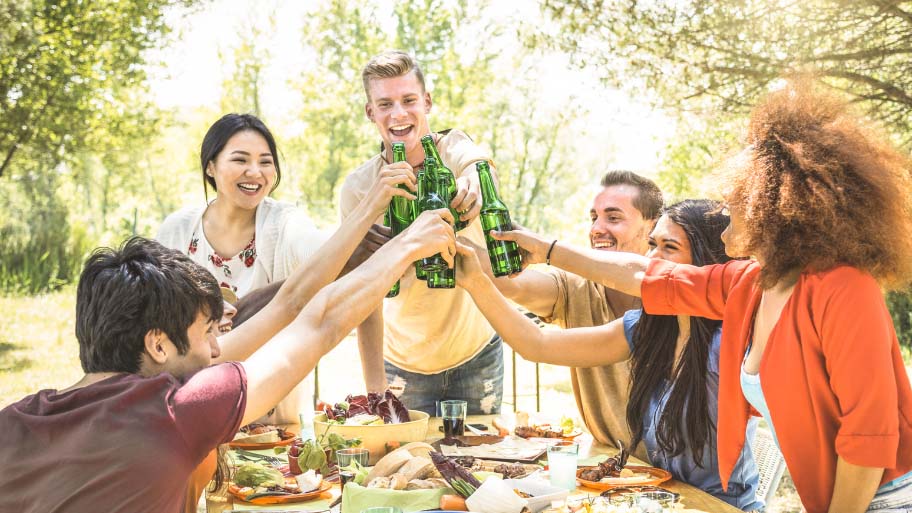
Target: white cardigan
point(285, 237)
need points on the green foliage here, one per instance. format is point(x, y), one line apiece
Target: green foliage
point(74, 117)
point(242, 91)
point(900, 305)
point(63, 69)
point(336, 137)
point(41, 249)
point(699, 53)
point(689, 162)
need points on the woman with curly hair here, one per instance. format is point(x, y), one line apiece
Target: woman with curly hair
point(674, 358)
point(823, 204)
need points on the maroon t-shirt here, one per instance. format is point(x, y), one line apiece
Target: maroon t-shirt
point(124, 444)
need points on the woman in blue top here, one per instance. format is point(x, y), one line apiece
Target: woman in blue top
point(674, 359)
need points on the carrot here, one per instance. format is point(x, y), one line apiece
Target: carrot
point(452, 503)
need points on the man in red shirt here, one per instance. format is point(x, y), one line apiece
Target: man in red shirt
point(148, 410)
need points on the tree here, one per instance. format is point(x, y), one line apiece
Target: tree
point(249, 58)
point(335, 137)
point(704, 53)
point(75, 119)
point(61, 65)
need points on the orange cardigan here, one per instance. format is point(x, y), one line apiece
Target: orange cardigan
point(832, 373)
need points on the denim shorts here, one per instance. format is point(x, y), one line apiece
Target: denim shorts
point(478, 381)
point(894, 497)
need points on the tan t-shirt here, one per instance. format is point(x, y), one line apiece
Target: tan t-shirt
point(601, 392)
point(427, 330)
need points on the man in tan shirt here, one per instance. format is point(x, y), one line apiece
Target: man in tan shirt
point(623, 213)
point(435, 343)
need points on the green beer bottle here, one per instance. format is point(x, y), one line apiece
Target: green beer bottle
point(419, 272)
point(394, 290)
point(429, 199)
point(445, 278)
point(400, 209)
point(430, 149)
point(504, 255)
point(399, 212)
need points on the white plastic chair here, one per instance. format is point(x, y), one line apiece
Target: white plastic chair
point(770, 464)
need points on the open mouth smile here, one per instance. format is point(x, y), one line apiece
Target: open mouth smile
point(249, 188)
point(400, 130)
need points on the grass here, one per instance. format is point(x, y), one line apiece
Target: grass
point(38, 350)
point(37, 345)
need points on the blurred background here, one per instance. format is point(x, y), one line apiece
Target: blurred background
point(103, 105)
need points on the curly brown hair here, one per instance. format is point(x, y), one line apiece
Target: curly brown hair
point(821, 188)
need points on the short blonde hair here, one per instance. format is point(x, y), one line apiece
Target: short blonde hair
point(390, 64)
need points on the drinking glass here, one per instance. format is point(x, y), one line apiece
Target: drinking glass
point(453, 414)
point(307, 425)
point(344, 457)
point(562, 458)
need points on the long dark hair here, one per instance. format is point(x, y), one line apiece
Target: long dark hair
point(225, 128)
point(685, 419)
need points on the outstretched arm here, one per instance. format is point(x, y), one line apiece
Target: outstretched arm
point(316, 272)
point(576, 347)
point(623, 272)
point(535, 291)
point(283, 362)
point(370, 347)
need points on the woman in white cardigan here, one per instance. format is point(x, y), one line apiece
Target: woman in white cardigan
point(244, 238)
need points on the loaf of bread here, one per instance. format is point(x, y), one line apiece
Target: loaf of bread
point(417, 468)
point(398, 482)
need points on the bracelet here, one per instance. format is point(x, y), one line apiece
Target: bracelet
point(550, 249)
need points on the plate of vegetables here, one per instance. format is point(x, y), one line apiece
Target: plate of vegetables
point(259, 484)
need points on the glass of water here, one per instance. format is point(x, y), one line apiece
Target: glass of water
point(562, 459)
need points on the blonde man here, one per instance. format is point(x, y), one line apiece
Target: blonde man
point(435, 343)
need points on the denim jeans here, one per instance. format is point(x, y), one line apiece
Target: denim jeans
point(894, 497)
point(478, 381)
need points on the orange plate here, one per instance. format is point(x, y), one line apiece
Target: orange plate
point(657, 476)
point(282, 499)
point(264, 445)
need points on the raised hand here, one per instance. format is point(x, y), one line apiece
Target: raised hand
point(385, 186)
point(468, 197)
point(470, 268)
point(431, 233)
point(533, 246)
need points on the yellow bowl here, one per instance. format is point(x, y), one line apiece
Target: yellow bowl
point(374, 438)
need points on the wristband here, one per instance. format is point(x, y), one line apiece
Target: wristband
point(550, 249)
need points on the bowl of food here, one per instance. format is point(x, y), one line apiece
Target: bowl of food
point(377, 420)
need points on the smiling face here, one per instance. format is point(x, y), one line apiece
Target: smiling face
point(617, 225)
point(244, 171)
point(669, 241)
point(399, 107)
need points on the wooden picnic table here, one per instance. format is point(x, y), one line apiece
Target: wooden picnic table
point(692, 498)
